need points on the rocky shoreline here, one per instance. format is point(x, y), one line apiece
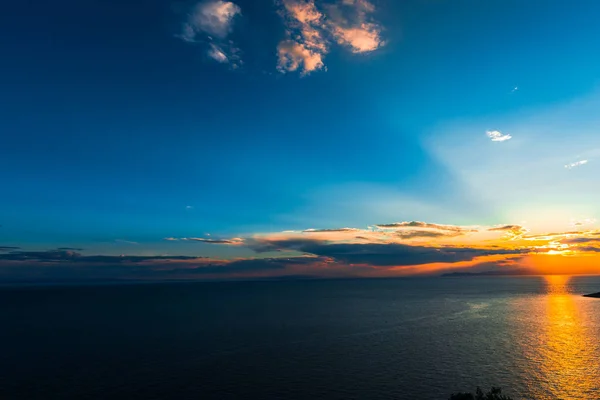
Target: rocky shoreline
point(595, 295)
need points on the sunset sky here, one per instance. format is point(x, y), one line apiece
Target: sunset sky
point(257, 138)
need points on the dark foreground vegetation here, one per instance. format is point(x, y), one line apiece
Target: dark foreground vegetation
point(494, 394)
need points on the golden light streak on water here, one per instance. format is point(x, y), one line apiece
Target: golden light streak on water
point(566, 354)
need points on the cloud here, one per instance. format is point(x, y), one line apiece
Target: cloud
point(384, 254)
point(331, 230)
point(554, 235)
point(212, 21)
point(514, 231)
point(8, 248)
point(211, 17)
point(124, 241)
point(55, 266)
point(589, 249)
point(352, 26)
point(218, 55)
point(576, 164)
point(579, 240)
point(59, 255)
point(233, 241)
point(294, 56)
point(69, 248)
point(246, 266)
point(361, 39)
point(401, 248)
point(419, 224)
point(411, 234)
point(189, 207)
point(498, 136)
point(310, 31)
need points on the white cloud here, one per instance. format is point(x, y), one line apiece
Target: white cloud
point(576, 164)
point(211, 17)
point(217, 54)
point(498, 136)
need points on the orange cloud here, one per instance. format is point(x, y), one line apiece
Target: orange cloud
point(294, 56)
point(309, 32)
point(361, 39)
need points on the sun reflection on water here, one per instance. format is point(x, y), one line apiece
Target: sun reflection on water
point(566, 349)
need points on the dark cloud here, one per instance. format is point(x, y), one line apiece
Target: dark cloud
point(59, 255)
point(580, 240)
point(589, 248)
point(506, 266)
point(8, 248)
point(55, 266)
point(382, 254)
point(266, 245)
point(426, 225)
point(69, 248)
point(244, 266)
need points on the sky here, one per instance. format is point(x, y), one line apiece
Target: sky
point(298, 138)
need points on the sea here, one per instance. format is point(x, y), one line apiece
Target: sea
point(408, 338)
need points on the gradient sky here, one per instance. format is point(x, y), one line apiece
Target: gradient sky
point(167, 131)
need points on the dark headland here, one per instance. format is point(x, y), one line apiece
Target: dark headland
point(595, 295)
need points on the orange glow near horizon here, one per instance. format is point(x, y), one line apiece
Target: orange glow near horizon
point(559, 264)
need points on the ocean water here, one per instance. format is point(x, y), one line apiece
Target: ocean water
point(536, 337)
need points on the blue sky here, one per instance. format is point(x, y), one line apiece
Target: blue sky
point(127, 122)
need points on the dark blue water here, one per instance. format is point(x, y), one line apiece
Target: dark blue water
point(346, 339)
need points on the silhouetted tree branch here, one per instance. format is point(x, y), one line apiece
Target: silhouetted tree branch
point(494, 394)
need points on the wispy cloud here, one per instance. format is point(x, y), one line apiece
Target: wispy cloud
point(122, 241)
point(576, 164)
point(419, 224)
point(497, 136)
point(513, 231)
point(212, 21)
point(331, 230)
point(232, 241)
